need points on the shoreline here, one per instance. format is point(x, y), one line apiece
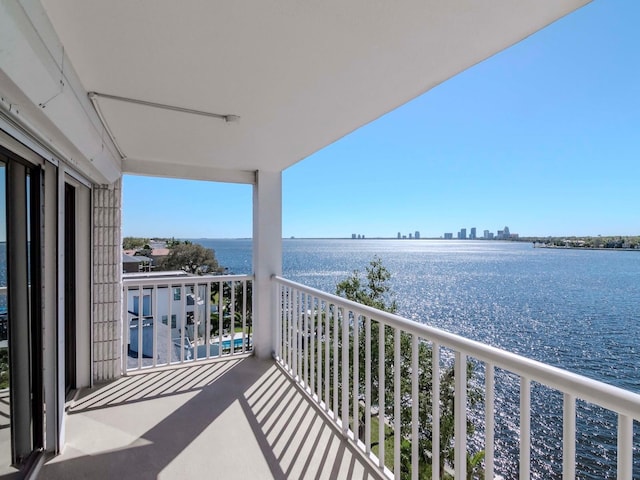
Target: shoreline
point(586, 248)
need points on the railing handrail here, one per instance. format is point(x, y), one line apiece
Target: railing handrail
point(183, 280)
point(608, 396)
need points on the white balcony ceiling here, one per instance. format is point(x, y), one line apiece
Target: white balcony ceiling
point(300, 75)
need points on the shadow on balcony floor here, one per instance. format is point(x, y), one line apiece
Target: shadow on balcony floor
point(234, 419)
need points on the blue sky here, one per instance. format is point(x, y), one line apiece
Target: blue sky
point(543, 137)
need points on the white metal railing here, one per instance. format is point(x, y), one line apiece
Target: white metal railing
point(180, 319)
point(313, 328)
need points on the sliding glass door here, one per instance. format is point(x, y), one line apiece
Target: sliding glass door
point(21, 398)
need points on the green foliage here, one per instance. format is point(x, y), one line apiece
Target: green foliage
point(373, 290)
point(238, 304)
point(134, 243)
point(192, 258)
point(614, 242)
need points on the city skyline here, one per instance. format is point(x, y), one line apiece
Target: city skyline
point(543, 134)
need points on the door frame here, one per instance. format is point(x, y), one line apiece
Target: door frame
point(24, 228)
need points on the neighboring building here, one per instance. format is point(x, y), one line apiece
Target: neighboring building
point(399, 235)
point(462, 234)
point(417, 235)
point(448, 236)
point(486, 235)
point(472, 234)
point(353, 235)
point(136, 263)
point(169, 299)
point(410, 236)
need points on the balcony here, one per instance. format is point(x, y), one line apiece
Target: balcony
point(237, 416)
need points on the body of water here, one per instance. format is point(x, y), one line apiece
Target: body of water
point(575, 309)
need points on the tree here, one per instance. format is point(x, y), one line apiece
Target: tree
point(192, 258)
point(133, 243)
point(374, 291)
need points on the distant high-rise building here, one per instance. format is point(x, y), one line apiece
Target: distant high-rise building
point(463, 234)
point(353, 235)
point(500, 235)
point(472, 235)
point(448, 236)
point(399, 235)
point(417, 235)
point(410, 236)
point(506, 233)
point(486, 235)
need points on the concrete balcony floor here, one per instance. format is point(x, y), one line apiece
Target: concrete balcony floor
point(241, 418)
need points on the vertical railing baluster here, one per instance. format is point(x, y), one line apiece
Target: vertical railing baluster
point(278, 296)
point(460, 415)
point(232, 325)
point(435, 411)
point(300, 345)
point(381, 394)
point(525, 428)
point(397, 375)
point(126, 328)
point(196, 322)
point(220, 315)
point(140, 323)
point(244, 319)
point(625, 447)
point(207, 319)
point(345, 371)
point(304, 297)
point(356, 377)
point(154, 315)
point(489, 420)
point(327, 356)
point(312, 348)
point(336, 371)
point(415, 406)
point(170, 328)
point(296, 340)
point(367, 384)
point(290, 355)
point(569, 437)
point(183, 319)
point(319, 343)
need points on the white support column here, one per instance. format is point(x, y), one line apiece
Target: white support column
point(267, 258)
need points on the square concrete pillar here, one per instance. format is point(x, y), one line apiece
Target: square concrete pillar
point(267, 258)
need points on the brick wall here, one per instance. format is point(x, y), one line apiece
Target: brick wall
point(107, 281)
